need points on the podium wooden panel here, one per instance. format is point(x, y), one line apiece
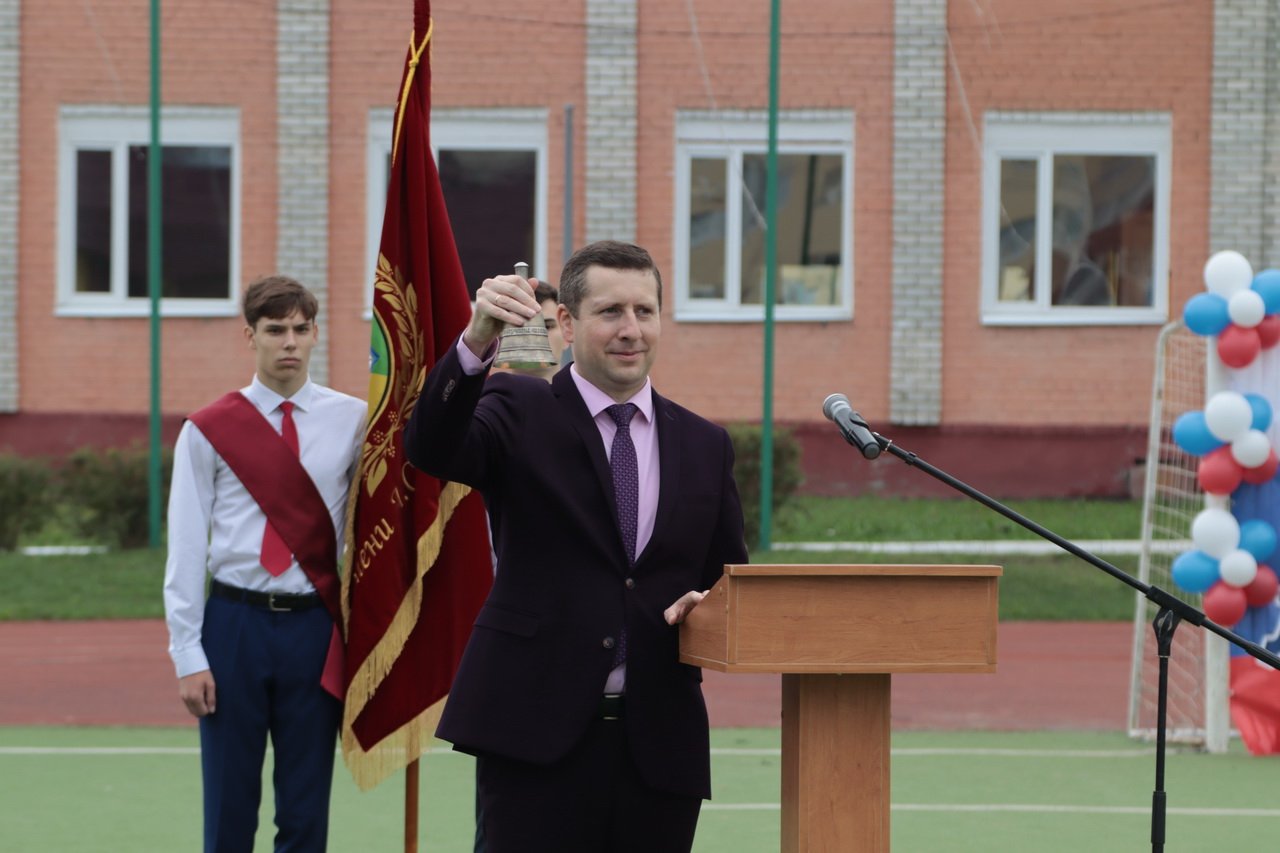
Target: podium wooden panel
point(837, 634)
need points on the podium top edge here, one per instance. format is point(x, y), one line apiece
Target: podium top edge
point(870, 569)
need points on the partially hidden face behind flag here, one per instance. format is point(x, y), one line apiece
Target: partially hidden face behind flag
point(418, 565)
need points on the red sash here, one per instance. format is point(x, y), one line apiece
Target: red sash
point(284, 491)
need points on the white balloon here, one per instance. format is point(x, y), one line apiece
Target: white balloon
point(1227, 272)
point(1238, 568)
point(1251, 449)
point(1228, 415)
point(1216, 532)
point(1246, 308)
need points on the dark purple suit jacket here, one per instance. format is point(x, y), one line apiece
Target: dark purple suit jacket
point(534, 669)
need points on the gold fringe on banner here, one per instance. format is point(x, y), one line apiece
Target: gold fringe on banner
point(405, 744)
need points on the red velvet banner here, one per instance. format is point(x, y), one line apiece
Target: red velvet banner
point(419, 565)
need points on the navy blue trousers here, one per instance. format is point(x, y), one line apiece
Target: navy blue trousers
point(591, 801)
point(266, 668)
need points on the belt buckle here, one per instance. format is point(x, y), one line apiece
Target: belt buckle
point(271, 604)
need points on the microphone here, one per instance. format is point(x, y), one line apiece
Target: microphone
point(852, 425)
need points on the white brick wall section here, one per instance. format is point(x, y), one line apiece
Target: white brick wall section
point(919, 109)
point(302, 95)
point(1271, 137)
point(611, 120)
point(9, 91)
point(1239, 122)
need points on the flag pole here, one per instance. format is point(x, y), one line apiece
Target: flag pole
point(411, 807)
point(770, 279)
point(154, 153)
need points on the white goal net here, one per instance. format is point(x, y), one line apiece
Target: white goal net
point(1197, 709)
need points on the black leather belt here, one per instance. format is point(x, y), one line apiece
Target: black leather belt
point(611, 706)
point(281, 602)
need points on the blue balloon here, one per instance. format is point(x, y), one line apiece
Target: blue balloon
point(1261, 411)
point(1206, 314)
point(1258, 538)
point(1195, 571)
point(1191, 433)
point(1267, 284)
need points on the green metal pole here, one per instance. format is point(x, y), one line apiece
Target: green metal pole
point(154, 485)
point(770, 283)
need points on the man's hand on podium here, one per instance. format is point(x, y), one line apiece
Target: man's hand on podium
point(676, 613)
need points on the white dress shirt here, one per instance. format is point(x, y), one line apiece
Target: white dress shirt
point(215, 525)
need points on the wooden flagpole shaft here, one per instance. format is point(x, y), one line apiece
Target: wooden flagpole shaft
point(411, 807)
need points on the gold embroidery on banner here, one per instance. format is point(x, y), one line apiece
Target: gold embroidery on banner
point(404, 373)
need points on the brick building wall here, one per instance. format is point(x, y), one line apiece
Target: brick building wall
point(10, 32)
point(94, 54)
point(920, 79)
point(302, 104)
point(834, 56)
point(1089, 59)
point(495, 56)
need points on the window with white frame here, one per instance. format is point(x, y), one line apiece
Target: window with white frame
point(102, 210)
point(492, 165)
point(1075, 219)
point(721, 169)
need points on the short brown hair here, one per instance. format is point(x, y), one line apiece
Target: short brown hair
point(276, 297)
point(610, 254)
point(545, 291)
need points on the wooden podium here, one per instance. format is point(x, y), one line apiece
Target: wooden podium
point(837, 634)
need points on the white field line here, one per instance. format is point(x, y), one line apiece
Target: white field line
point(63, 550)
point(930, 751)
point(716, 751)
point(988, 546)
point(1047, 808)
point(1023, 808)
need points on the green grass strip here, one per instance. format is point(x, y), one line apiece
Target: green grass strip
point(131, 790)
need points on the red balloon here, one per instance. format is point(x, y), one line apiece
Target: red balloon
point(1225, 604)
point(1237, 346)
point(1219, 473)
point(1263, 473)
point(1268, 331)
point(1262, 591)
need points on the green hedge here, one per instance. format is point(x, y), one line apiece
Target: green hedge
point(25, 497)
point(746, 470)
point(92, 497)
point(109, 491)
point(102, 494)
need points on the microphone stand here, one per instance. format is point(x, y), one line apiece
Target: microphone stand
point(1172, 611)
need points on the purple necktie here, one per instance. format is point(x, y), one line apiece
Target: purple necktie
point(626, 475)
point(626, 489)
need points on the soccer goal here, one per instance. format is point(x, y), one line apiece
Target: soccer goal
point(1185, 373)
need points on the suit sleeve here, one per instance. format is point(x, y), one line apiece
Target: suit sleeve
point(459, 425)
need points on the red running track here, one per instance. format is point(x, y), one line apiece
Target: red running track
point(1049, 675)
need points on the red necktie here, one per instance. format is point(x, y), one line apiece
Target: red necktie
point(276, 556)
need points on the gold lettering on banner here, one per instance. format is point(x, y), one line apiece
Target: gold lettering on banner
point(374, 542)
point(406, 471)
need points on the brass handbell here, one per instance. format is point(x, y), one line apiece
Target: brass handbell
point(525, 347)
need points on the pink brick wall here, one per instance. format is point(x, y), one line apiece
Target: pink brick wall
point(1027, 55)
point(1041, 55)
point(717, 368)
point(494, 54)
point(76, 53)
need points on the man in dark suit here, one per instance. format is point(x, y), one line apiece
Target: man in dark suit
point(613, 510)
